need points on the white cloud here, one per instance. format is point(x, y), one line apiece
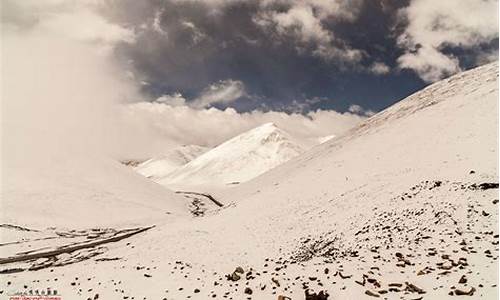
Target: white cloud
point(224, 92)
point(186, 125)
point(379, 68)
point(175, 99)
point(358, 110)
point(156, 24)
point(87, 26)
point(430, 64)
point(61, 91)
point(433, 25)
point(344, 9)
point(196, 34)
point(76, 20)
point(304, 21)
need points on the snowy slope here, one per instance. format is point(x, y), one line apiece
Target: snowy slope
point(325, 139)
point(159, 167)
point(238, 159)
point(396, 208)
point(48, 185)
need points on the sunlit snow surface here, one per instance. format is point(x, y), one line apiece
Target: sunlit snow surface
point(394, 207)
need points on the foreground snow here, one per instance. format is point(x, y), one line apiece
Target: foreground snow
point(399, 208)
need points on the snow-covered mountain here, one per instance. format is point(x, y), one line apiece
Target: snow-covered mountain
point(403, 206)
point(238, 159)
point(159, 167)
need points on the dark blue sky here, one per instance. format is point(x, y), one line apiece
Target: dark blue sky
point(185, 46)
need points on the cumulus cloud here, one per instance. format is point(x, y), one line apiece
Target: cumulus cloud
point(196, 33)
point(175, 99)
point(435, 26)
point(379, 68)
point(224, 91)
point(360, 111)
point(208, 127)
point(66, 19)
point(430, 64)
point(61, 91)
point(304, 20)
point(155, 24)
point(283, 50)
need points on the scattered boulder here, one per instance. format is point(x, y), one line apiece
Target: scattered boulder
point(465, 293)
point(484, 186)
point(235, 276)
point(413, 288)
point(372, 294)
point(275, 281)
point(322, 295)
point(462, 279)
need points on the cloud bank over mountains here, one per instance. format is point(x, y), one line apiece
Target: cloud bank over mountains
point(135, 77)
point(64, 87)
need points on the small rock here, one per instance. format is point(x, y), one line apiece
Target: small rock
point(464, 293)
point(322, 295)
point(462, 279)
point(370, 293)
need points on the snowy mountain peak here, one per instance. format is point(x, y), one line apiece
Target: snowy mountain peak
point(267, 125)
point(238, 159)
point(265, 133)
